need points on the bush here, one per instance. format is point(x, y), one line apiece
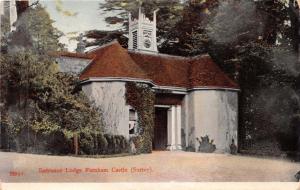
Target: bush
point(102, 144)
point(116, 144)
point(43, 138)
point(233, 147)
point(206, 145)
point(24, 137)
point(137, 143)
point(93, 144)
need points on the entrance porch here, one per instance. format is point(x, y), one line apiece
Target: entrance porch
point(167, 129)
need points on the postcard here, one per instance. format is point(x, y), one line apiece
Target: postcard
point(150, 92)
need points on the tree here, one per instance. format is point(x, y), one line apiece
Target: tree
point(42, 109)
point(169, 14)
point(180, 27)
point(34, 30)
point(260, 54)
point(188, 37)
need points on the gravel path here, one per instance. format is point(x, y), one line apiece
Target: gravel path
point(156, 167)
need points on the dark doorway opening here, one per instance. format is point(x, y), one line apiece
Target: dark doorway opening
point(160, 138)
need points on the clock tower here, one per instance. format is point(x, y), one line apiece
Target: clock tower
point(142, 33)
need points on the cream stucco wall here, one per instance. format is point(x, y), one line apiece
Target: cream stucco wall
point(213, 113)
point(109, 97)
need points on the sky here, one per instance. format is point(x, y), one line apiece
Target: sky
point(84, 15)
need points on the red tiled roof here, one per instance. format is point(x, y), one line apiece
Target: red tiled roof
point(164, 70)
point(205, 73)
point(176, 71)
point(112, 61)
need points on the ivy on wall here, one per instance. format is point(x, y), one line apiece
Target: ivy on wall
point(141, 98)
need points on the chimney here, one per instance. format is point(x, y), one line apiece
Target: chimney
point(21, 7)
point(81, 44)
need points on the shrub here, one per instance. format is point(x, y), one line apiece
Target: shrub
point(115, 144)
point(93, 144)
point(102, 144)
point(205, 145)
point(137, 143)
point(233, 147)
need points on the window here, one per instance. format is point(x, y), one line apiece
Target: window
point(132, 121)
point(135, 40)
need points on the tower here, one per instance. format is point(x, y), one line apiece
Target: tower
point(142, 33)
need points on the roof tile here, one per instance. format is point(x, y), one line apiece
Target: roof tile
point(164, 70)
point(205, 73)
point(112, 60)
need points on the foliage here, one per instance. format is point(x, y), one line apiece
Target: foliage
point(136, 140)
point(44, 127)
point(141, 98)
point(168, 16)
point(189, 37)
point(43, 108)
point(34, 30)
point(5, 25)
point(41, 101)
point(233, 147)
point(206, 145)
point(259, 53)
point(5, 28)
point(93, 144)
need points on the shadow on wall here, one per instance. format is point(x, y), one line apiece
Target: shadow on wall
point(190, 147)
point(183, 143)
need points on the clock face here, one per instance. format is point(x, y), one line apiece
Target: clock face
point(147, 43)
point(147, 33)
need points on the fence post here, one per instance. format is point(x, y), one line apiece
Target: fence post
point(75, 143)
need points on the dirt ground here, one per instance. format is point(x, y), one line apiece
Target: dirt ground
point(156, 167)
